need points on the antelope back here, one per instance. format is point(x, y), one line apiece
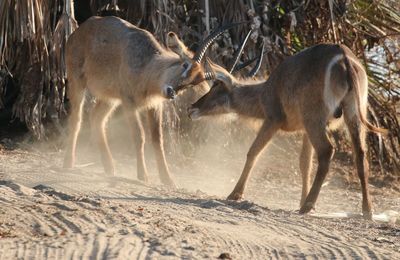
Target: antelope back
point(111, 53)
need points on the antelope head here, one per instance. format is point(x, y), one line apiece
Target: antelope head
point(190, 70)
point(220, 97)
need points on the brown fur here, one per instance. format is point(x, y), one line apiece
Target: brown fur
point(297, 98)
point(120, 63)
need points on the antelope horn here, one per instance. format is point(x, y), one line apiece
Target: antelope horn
point(210, 39)
point(210, 74)
point(257, 67)
point(239, 52)
point(218, 73)
point(247, 63)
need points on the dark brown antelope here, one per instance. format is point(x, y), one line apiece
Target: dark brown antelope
point(121, 64)
point(307, 92)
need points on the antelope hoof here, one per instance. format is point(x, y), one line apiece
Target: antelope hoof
point(306, 208)
point(367, 210)
point(367, 215)
point(235, 195)
point(68, 163)
point(168, 182)
point(109, 170)
point(143, 177)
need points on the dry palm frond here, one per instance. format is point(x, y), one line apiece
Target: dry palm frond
point(35, 32)
point(65, 26)
point(27, 32)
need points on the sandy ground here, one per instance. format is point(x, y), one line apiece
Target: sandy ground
point(50, 213)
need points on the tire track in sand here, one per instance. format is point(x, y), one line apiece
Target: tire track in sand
point(119, 224)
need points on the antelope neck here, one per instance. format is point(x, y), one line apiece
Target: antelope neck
point(246, 101)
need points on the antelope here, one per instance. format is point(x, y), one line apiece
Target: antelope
point(119, 63)
point(307, 92)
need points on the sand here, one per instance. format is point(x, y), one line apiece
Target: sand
point(47, 212)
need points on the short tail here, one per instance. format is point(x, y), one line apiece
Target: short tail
point(355, 85)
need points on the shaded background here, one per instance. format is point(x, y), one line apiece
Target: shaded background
point(32, 71)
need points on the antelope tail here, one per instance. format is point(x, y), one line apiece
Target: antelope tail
point(354, 84)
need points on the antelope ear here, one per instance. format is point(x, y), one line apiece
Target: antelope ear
point(177, 46)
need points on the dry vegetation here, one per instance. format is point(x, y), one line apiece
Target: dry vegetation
point(35, 32)
point(50, 212)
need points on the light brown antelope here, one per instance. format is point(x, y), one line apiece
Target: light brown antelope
point(306, 92)
point(122, 64)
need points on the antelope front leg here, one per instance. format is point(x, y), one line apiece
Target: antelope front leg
point(138, 136)
point(155, 123)
point(99, 116)
point(265, 134)
point(76, 94)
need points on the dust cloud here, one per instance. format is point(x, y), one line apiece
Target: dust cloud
point(47, 211)
point(208, 155)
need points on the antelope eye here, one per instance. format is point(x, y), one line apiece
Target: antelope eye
point(185, 65)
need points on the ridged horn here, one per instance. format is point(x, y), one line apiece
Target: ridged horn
point(239, 52)
point(246, 63)
point(209, 75)
point(198, 56)
point(257, 67)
